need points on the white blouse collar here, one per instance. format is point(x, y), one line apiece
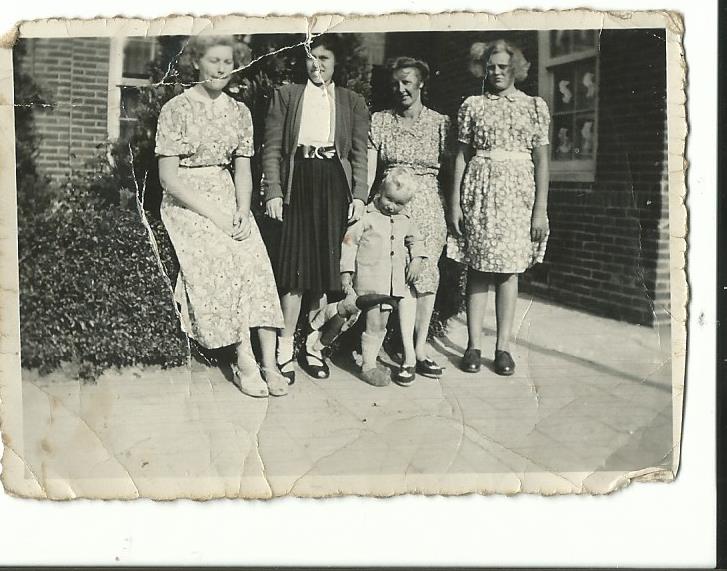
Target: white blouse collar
point(197, 96)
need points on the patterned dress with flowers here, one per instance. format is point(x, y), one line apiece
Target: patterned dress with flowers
point(224, 286)
point(498, 187)
point(422, 147)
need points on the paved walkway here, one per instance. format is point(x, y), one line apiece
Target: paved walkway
point(591, 399)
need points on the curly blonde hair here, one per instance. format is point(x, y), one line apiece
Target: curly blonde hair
point(480, 53)
point(198, 45)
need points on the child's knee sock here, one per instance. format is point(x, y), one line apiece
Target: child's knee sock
point(370, 347)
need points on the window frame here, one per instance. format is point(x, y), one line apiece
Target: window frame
point(117, 82)
point(574, 170)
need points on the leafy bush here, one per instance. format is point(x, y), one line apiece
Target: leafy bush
point(91, 288)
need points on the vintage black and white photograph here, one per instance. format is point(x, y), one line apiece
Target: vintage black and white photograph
point(372, 258)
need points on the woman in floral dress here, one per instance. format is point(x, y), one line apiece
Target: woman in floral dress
point(225, 285)
point(413, 136)
point(499, 197)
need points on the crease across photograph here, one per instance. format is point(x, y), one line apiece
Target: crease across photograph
point(424, 254)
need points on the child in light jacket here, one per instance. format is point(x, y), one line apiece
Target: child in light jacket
point(382, 253)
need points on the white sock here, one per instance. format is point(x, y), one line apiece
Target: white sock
point(312, 346)
point(285, 349)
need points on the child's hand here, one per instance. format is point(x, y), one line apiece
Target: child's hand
point(347, 284)
point(413, 270)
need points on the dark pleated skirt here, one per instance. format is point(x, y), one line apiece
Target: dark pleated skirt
point(314, 224)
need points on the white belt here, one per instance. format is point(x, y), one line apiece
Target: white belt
point(503, 155)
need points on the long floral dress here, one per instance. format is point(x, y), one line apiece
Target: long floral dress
point(422, 147)
point(224, 286)
point(498, 187)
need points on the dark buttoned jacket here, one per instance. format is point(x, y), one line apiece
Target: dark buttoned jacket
point(282, 126)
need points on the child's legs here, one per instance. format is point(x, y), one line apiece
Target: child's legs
point(373, 337)
point(478, 287)
point(505, 302)
point(407, 320)
point(424, 310)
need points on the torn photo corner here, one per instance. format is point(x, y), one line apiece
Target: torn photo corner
point(175, 191)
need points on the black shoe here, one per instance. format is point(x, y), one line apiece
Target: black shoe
point(471, 361)
point(404, 376)
point(289, 375)
point(429, 368)
point(314, 370)
point(369, 300)
point(504, 365)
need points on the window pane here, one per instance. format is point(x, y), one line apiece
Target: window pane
point(129, 102)
point(138, 54)
point(585, 136)
point(563, 138)
point(586, 88)
point(560, 42)
point(583, 40)
point(563, 95)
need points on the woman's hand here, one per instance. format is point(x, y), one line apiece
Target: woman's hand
point(241, 225)
point(413, 270)
point(223, 221)
point(538, 227)
point(356, 210)
point(274, 208)
point(456, 220)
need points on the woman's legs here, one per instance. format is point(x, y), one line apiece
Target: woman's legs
point(247, 376)
point(290, 302)
point(277, 384)
point(478, 287)
point(424, 310)
point(505, 301)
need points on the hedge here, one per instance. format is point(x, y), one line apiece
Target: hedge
point(91, 289)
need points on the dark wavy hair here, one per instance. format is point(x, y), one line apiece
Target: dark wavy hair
point(332, 43)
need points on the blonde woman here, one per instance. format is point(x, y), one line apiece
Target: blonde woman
point(225, 285)
point(498, 208)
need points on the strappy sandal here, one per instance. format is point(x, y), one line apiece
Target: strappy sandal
point(405, 376)
point(289, 375)
point(276, 381)
point(316, 371)
point(252, 385)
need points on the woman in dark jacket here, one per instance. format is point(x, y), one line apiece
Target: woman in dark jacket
point(315, 182)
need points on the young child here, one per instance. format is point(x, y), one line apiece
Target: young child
point(382, 253)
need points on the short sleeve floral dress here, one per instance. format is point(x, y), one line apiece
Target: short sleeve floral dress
point(422, 147)
point(498, 187)
point(224, 286)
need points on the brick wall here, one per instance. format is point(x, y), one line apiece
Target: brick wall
point(75, 73)
point(608, 249)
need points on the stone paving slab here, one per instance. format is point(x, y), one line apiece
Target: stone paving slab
point(591, 400)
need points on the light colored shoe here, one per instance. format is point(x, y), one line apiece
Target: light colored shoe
point(376, 376)
point(252, 384)
point(277, 383)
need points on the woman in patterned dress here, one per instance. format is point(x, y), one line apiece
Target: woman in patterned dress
point(499, 197)
point(413, 136)
point(225, 285)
